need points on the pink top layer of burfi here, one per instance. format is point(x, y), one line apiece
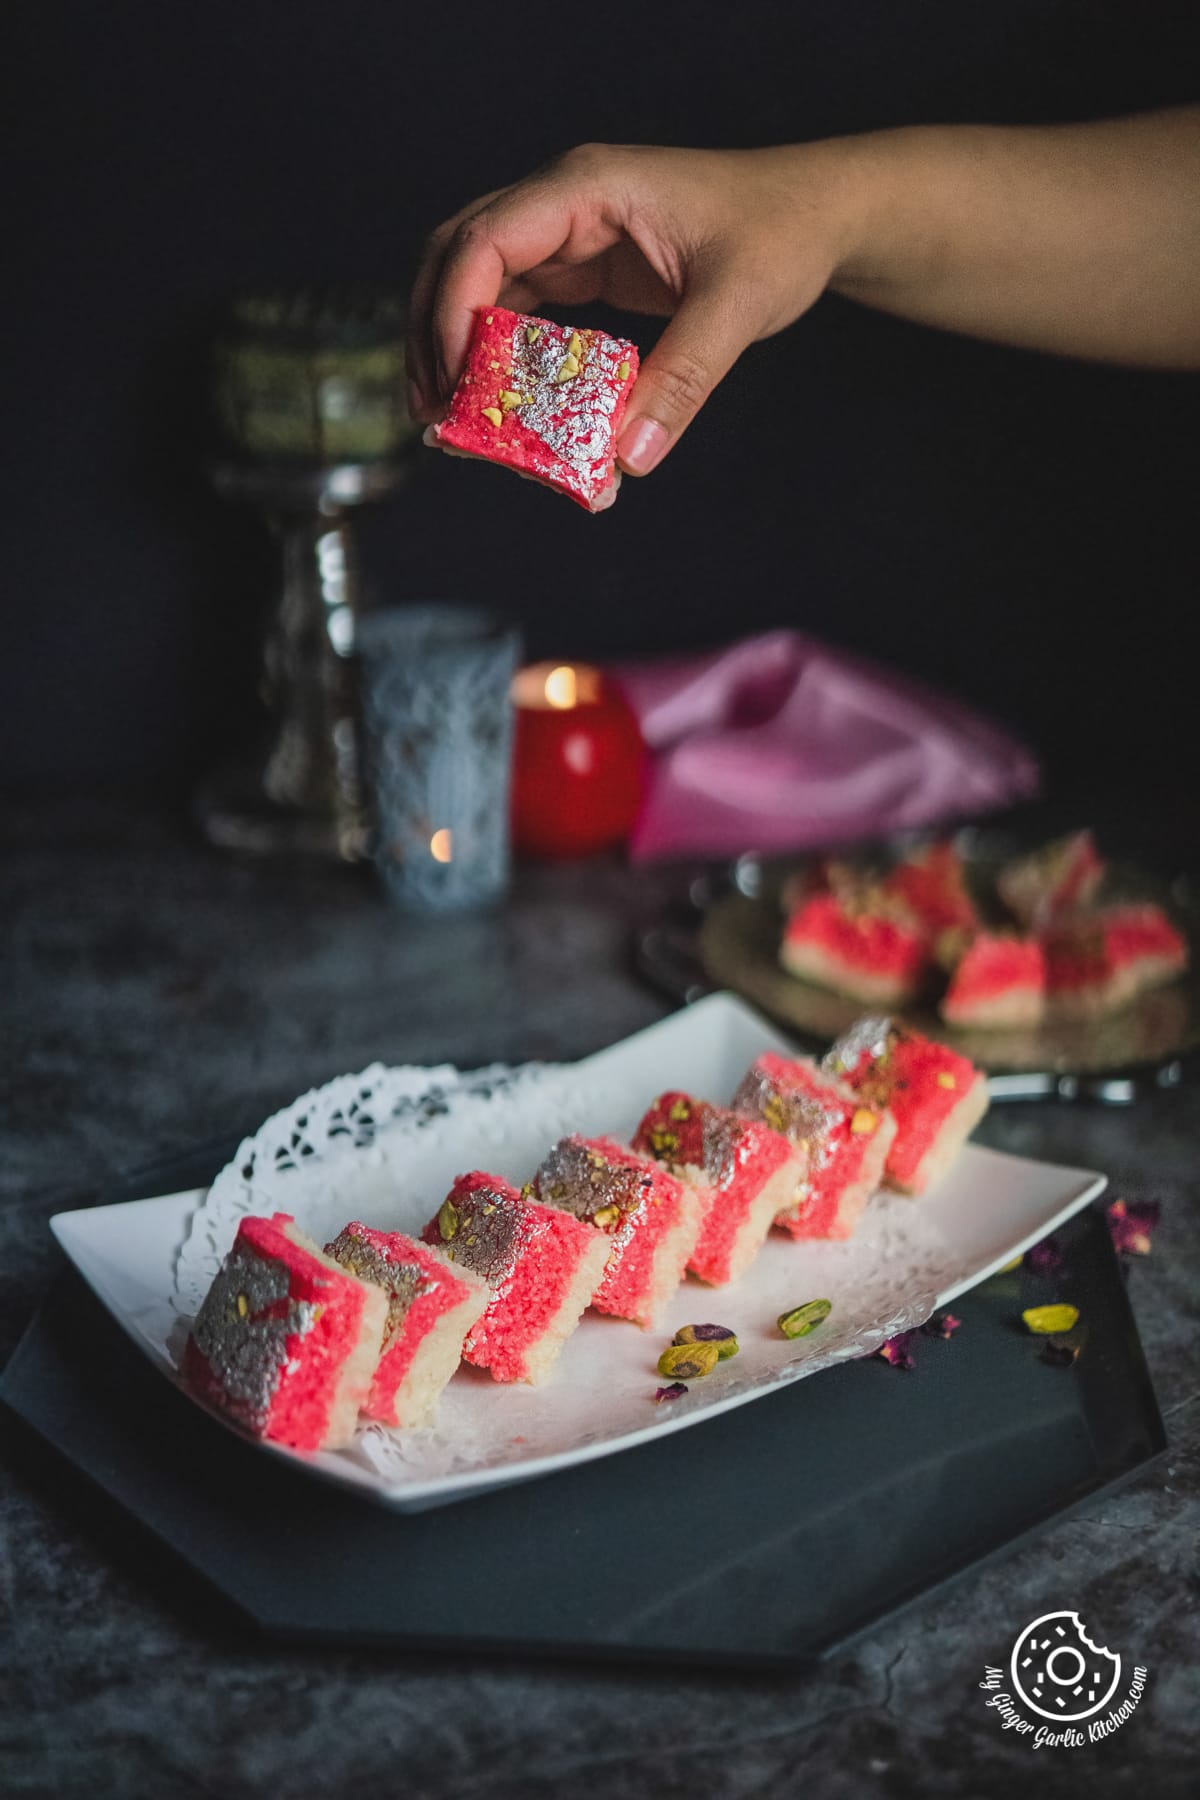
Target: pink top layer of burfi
point(919, 1081)
point(931, 883)
point(733, 1155)
point(1105, 943)
point(561, 428)
point(1053, 881)
point(815, 1109)
point(993, 964)
point(859, 938)
point(635, 1201)
point(273, 1333)
point(420, 1285)
point(527, 1253)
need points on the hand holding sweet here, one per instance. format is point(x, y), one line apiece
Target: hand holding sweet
point(1078, 239)
point(729, 245)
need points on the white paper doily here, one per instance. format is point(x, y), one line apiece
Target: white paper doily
point(350, 1149)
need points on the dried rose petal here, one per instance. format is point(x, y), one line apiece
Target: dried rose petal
point(943, 1326)
point(1044, 1258)
point(1058, 1353)
point(896, 1350)
point(676, 1389)
point(1131, 1224)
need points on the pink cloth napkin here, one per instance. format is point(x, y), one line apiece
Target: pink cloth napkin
point(781, 743)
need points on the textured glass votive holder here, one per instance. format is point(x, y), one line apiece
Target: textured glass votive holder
point(437, 717)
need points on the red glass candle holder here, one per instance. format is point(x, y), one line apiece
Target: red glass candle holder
point(578, 762)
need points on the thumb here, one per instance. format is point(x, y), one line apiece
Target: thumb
point(698, 347)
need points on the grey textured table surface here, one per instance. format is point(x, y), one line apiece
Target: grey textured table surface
point(156, 996)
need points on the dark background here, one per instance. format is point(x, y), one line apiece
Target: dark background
point(1020, 529)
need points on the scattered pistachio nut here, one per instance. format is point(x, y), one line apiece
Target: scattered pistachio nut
point(803, 1319)
point(243, 1306)
point(568, 368)
point(508, 399)
point(1047, 1321)
point(688, 1362)
point(532, 333)
point(622, 371)
point(863, 1122)
point(945, 1079)
point(447, 1220)
point(720, 1335)
point(494, 414)
point(680, 1110)
point(606, 1217)
point(575, 347)
point(773, 1113)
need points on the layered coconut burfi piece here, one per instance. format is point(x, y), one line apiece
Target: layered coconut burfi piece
point(1000, 979)
point(1103, 960)
point(650, 1220)
point(1053, 881)
point(846, 1141)
point(431, 1306)
point(935, 1096)
point(540, 1264)
point(544, 400)
point(287, 1340)
point(865, 945)
point(746, 1172)
point(931, 884)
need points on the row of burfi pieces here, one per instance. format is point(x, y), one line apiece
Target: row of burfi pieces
point(295, 1342)
point(883, 940)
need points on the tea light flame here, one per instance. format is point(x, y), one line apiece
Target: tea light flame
point(440, 846)
point(562, 688)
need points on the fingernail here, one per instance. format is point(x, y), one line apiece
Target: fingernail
point(642, 444)
point(416, 400)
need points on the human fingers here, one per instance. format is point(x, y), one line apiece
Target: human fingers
point(419, 361)
point(567, 215)
point(700, 345)
point(494, 247)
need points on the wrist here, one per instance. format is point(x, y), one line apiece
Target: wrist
point(830, 201)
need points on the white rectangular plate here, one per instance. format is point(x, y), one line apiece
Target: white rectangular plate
point(907, 1258)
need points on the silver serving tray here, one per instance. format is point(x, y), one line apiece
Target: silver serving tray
point(726, 935)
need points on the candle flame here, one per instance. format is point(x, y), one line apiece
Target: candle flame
point(562, 688)
point(440, 846)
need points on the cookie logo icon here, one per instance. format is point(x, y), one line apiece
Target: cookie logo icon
point(1059, 1673)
